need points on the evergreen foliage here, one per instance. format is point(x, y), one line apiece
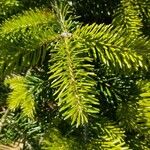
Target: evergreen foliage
point(66, 84)
point(20, 96)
